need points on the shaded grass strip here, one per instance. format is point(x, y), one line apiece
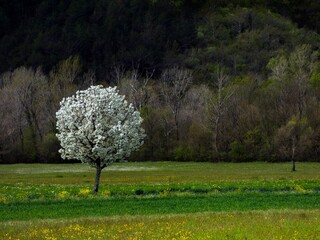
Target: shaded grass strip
point(156, 205)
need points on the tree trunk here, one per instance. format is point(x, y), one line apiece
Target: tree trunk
point(293, 165)
point(216, 132)
point(176, 121)
point(97, 179)
point(293, 154)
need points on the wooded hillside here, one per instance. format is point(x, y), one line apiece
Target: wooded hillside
point(214, 80)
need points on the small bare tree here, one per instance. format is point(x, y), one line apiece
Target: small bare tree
point(293, 139)
point(89, 79)
point(291, 75)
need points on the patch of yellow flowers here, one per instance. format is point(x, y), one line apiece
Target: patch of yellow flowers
point(84, 192)
point(63, 194)
point(3, 198)
point(129, 231)
point(280, 224)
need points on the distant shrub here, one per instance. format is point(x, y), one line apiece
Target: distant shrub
point(183, 154)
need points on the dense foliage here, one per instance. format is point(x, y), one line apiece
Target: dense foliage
point(97, 124)
point(148, 33)
point(213, 80)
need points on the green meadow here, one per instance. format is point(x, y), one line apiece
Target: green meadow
point(161, 200)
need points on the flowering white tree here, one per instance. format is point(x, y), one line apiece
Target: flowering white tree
point(98, 127)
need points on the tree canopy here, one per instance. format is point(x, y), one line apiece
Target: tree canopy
point(98, 127)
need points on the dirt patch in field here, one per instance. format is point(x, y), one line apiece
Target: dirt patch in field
point(80, 169)
point(120, 168)
point(43, 171)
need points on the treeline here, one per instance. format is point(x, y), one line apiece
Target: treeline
point(214, 80)
point(235, 119)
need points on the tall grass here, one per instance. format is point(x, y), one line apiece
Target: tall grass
point(253, 225)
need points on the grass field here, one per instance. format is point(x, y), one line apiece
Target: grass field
point(161, 200)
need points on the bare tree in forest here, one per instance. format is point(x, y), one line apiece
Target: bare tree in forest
point(291, 75)
point(196, 104)
point(219, 105)
point(293, 139)
point(30, 91)
point(62, 84)
point(175, 83)
point(195, 132)
point(135, 86)
point(10, 119)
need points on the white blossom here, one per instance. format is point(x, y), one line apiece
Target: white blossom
point(98, 123)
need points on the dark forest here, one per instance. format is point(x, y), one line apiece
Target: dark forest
point(214, 80)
